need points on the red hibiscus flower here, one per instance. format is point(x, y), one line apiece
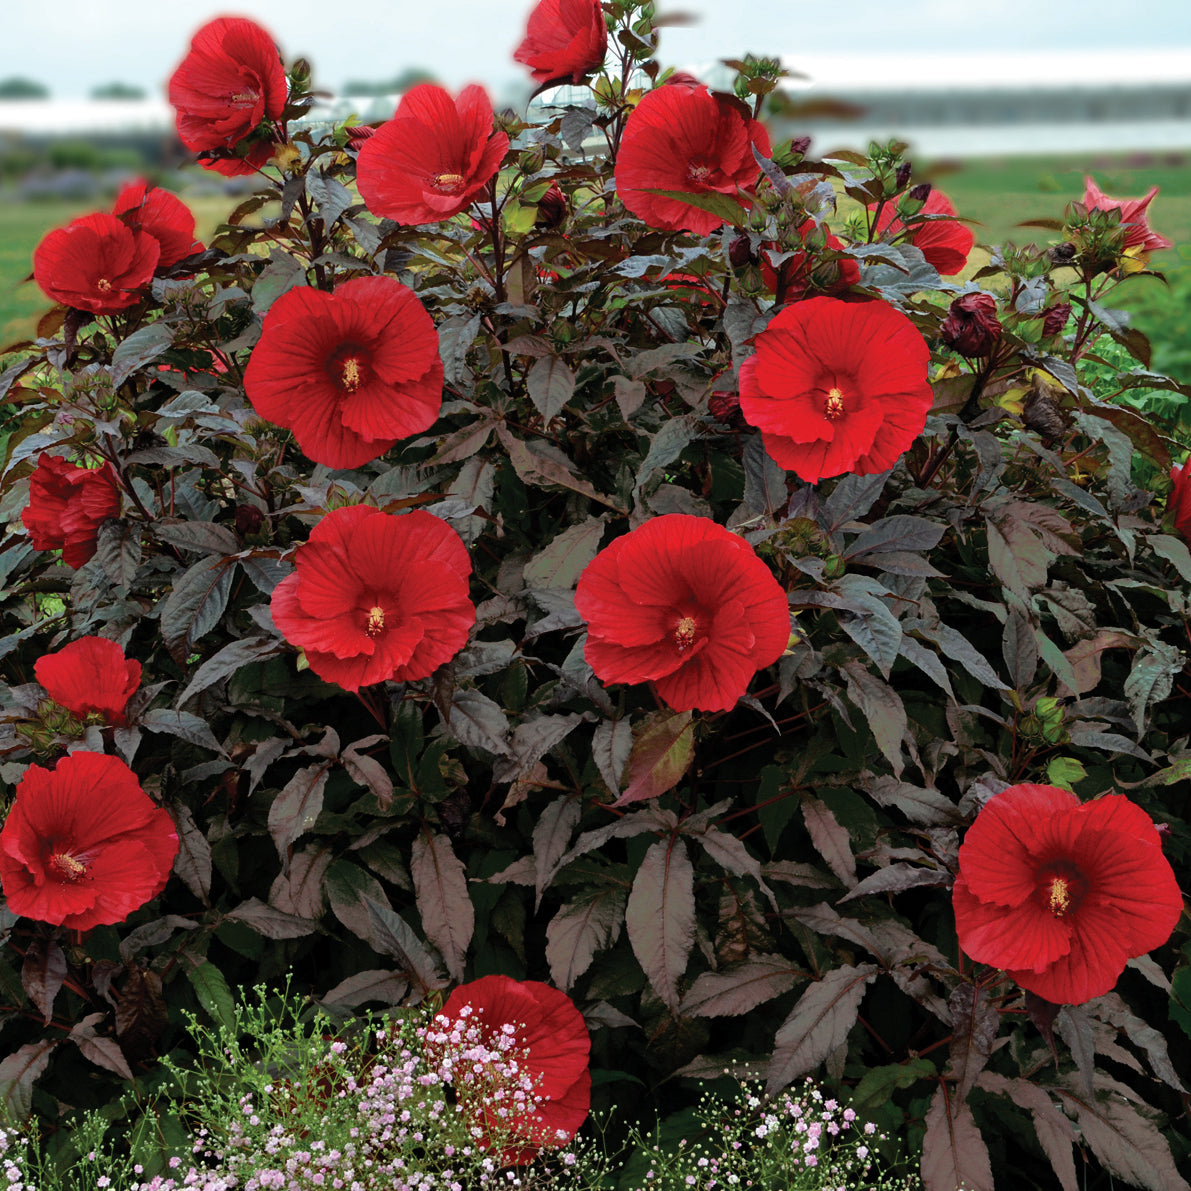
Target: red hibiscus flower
point(433, 158)
point(67, 505)
point(377, 596)
point(944, 242)
point(685, 604)
point(547, 1042)
point(1179, 501)
point(146, 208)
point(837, 387)
point(1133, 216)
point(565, 39)
point(90, 676)
point(1061, 893)
point(224, 90)
point(83, 844)
point(350, 373)
point(802, 271)
point(95, 263)
point(684, 138)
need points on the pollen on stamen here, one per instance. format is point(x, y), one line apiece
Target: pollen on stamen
point(245, 99)
point(351, 377)
point(104, 285)
point(376, 620)
point(1060, 899)
point(67, 866)
point(833, 407)
point(448, 182)
point(684, 633)
point(696, 172)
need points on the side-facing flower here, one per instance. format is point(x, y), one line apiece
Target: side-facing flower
point(350, 372)
point(971, 326)
point(684, 138)
point(686, 604)
point(837, 387)
point(90, 676)
point(67, 505)
point(147, 208)
point(377, 596)
point(83, 844)
point(1179, 501)
point(565, 39)
point(944, 242)
point(1138, 234)
point(1061, 893)
point(226, 87)
point(433, 158)
point(95, 263)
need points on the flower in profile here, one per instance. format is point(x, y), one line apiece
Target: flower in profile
point(686, 604)
point(837, 387)
point(67, 505)
point(83, 844)
point(433, 158)
point(803, 271)
point(684, 138)
point(350, 372)
point(147, 208)
point(1059, 893)
point(1138, 234)
point(1179, 501)
point(566, 39)
point(547, 1042)
point(90, 676)
point(944, 242)
point(971, 326)
point(95, 263)
point(230, 84)
point(377, 596)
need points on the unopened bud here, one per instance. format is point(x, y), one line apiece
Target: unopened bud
point(800, 144)
point(248, 520)
point(552, 208)
point(971, 326)
point(921, 192)
point(740, 252)
point(903, 174)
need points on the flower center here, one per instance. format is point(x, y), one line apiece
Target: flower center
point(697, 172)
point(104, 285)
point(1060, 897)
point(67, 867)
point(376, 620)
point(833, 407)
point(351, 378)
point(684, 633)
point(245, 99)
point(448, 183)
point(1061, 887)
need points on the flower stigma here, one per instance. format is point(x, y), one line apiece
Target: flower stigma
point(104, 285)
point(67, 867)
point(833, 407)
point(684, 633)
point(351, 374)
point(1060, 898)
point(451, 183)
point(376, 620)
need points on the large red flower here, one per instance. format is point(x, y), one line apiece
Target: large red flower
point(377, 596)
point(83, 844)
point(944, 242)
point(1061, 893)
point(95, 263)
point(1179, 501)
point(350, 373)
point(565, 40)
point(803, 271)
point(684, 603)
point(545, 1036)
point(433, 157)
point(230, 83)
point(837, 387)
point(684, 138)
point(90, 676)
point(147, 208)
point(1138, 234)
point(67, 505)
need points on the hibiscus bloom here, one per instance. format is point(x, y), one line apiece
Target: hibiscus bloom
point(433, 158)
point(547, 1042)
point(684, 138)
point(683, 603)
point(83, 844)
point(837, 387)
point(95, 263)
point(351, 372)
point(1133, 217)
point(1179, 501)
point(802, 271)
point(90, 676)
point(67, 505)
point(944, 242)
point(566, 39)
point(1061, 893)
point(146, 208)
point(224, 90)
point(377, 596)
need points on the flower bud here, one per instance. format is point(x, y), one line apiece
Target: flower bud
point(552, 208)
point(1055, 317)
point(248, 520)
point(1062, 254)
point(724, 406)
point(740, 252)
point(921, 192)
point(903, 174)
point(971, 326)
point(800, 144)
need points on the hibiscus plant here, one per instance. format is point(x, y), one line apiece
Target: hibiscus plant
point(616, 559)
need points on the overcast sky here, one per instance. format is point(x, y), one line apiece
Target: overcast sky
point(74, 45)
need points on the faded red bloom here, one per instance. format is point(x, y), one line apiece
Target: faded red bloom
point(971, 326)
point(684, 138)
point(686, 604)
point(146, 208)
point(67, 505)
point(1061, 893)
point(83, 844)
point(224, 90)
point(837, 387)
point(377, 596)
point(1138, 234)
point(802, 272)
point(553, 208)
point(433, 158)
point(350, 373)
point(944, 242)
point(1055, 317)
point(1179, 501)
point(549, 1037)
point(90, 676)
point(566, 39)
point(95, 263)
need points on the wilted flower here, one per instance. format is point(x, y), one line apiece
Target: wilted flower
point(566, 39)
point(67, 505)
point(95, 263)
point(971, 326)
point(1055, 317)
point(90, 676)
point(552, 208)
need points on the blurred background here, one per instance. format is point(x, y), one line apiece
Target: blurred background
point(1007, 105)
